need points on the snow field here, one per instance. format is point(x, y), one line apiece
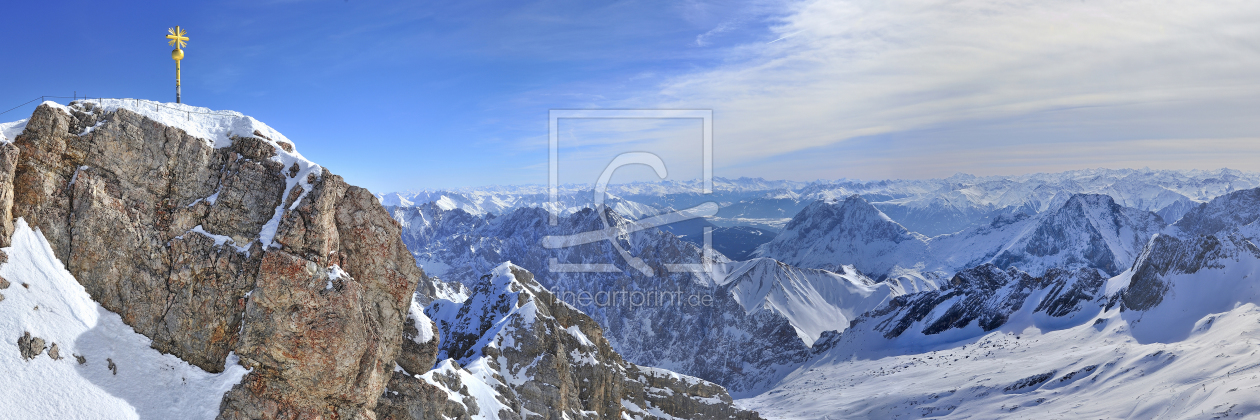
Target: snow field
point(46, 301)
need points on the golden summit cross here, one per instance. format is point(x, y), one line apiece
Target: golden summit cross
point(177, 35)
point(179, 40)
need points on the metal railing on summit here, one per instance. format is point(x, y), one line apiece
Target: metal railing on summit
point(76, 97)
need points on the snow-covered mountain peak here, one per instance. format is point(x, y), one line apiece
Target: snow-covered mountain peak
point(1234, 209)
point(829, 234)
point(852, 216)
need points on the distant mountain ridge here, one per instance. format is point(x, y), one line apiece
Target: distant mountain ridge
point(930, 207)
point(1086, 230)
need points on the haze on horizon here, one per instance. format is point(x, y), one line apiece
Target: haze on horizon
point(697, 182)
point(404, 95)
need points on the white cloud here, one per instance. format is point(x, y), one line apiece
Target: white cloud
point(1018, 73)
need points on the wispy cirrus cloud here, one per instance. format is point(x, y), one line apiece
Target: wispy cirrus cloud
point(1003, 75)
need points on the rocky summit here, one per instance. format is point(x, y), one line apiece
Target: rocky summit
point(209, 247)
point(211, 237)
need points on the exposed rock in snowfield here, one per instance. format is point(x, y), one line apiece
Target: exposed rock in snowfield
point(30, 347)
point(209, 234)
point(987, 297)
point(515, 351)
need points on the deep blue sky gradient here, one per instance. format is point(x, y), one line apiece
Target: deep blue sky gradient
point(402, 95)
point(392, 95)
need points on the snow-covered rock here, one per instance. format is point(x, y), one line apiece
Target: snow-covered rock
point(829, 234)
point(1087, 230)
point(513, 350)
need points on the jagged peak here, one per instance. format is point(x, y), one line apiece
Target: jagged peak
point(1235, 209)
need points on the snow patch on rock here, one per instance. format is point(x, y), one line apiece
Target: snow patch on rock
point(422, 323)
point(10, 130)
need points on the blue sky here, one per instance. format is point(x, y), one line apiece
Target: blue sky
point(413, 95)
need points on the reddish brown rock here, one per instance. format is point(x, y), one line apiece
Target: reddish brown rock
point(168, 231)
point(313, 333)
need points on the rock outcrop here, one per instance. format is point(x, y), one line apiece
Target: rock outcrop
point(987, 296)
point(1167, 256)
point(208, 234)
point(29, 346)
point(526, 354)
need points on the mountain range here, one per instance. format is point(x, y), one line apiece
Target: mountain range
point(1071, 259)
point(167, 261)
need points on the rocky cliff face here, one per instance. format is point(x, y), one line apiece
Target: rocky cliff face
point(209, 234)
point(987, 297)
point(513, 350)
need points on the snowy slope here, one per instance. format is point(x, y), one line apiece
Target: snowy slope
point(43, 299)
point(1171, 337)
point(812, 301)
point(1187, 357)
point(1089, 371)
point(10, 130)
